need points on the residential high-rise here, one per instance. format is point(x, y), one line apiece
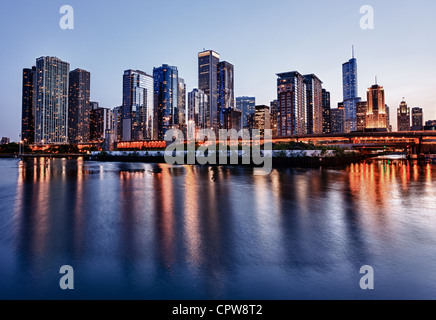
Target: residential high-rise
point(166, 92)
point(326, 106)
point(28, 106)
point(118, 123)
point(138, 106)
point(338, 120)
point(262, 119)
point(79, 107)
point(417, 119)
point(388, 118)
point(198, 109)
point(314, 108)
point(101, 121)
point(208, 83)
point(376, 114)
point(350, 88)
point(226, 96)
point(181, 119)
point(403, 117)
point(291, 97)
point(361, 116)
point(51, 107)
point(232, 119)
point(247, 106)
point(274, 118)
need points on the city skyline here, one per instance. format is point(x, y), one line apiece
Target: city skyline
point(394, 58)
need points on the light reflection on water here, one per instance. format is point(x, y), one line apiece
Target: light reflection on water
point(165, 232)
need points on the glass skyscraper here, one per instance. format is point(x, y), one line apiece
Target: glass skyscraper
point(314, 104)
point(79, 107)
point(198, 108)
point(350, 88)
point(376, 113)
point(51, 107)
point(28, 106)
point(326, 107)
point(226, 96)
point(138, 106)
point(208, 83)
point(247, 107)
point(166, 92)
point(181, 119)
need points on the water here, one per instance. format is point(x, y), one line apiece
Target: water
point(140, 231)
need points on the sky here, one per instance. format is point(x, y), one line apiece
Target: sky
point(260, 38)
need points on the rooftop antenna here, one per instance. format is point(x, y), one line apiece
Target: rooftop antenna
point(353, 50)
point(376, 80)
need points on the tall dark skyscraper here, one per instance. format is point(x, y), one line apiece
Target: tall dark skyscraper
point(274, 118)
point(208, 83)
point(51, 107)
point(403, 117)
point(361, 116)
point(417, 119)
point(138, 106)
point(166, 92)
point(28, 108)
point(79, 107)
point(313, 104)
point(337, 119)
point(198, 109)
point(291, 97)
point(181, 119)
point(351, 95)
point(247, 107)
point(326, 106)
point(226, 96)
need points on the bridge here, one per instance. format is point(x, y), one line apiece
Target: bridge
point(413, 142)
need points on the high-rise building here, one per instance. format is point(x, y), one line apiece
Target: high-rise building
point(313, 104)
point(208, 83)
point(232, 119)
point(198, 109)
point(166, 92)
point(403, 117)
point(118, 123)
point(291, 96)
point(138, 106)
point(51, 107)
point(430, 125)
point(274, 118)
point(376, 114)
point(417, 119)
point(79, 107)
point(262, 119)
point(28, 107)
point(181, 119)
point(361, 116)
point(350, 88)
point(326, 106)
point(388, 118)
point(338, 120)
point(247, 106)
point(101, 121)
point(226, 96)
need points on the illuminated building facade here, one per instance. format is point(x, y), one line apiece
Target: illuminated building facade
point(226, 96)
point(181, 118)
point(274, 118)
point(138, 106)
point(262, 119)
point(79, 107)
point(338, 119)
point(247, 106)
point(361, 116)
point(403, 117)
point(326, 106)
point(417, 119)
point(51, 107)
point(101, 121)
point(376, 114)
point(198, 108)
point(350, 90)
point(314, 110)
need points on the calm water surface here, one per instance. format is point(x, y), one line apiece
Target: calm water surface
point(140, 231)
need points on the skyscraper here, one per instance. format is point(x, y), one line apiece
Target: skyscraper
point(28, 106)
point(79, 107)
point(274, 118)
point(247, 106)
point(262, 120)
point(51, 108)
point(338, 119)
point(350, 88)
point(326, 106)
point(166, 92)
point(361, 116)
point(314, 104)
point(376, 114)
point(101, 121)
point(138, 106)
point(181, 119)
point(198, 109)
point(417, 119)
point(403, 117)
point(388, 118)
point(226, 96)
point(291, 96)
point(207, 82)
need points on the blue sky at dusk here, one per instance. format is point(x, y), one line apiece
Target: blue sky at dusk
point(261, 38)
